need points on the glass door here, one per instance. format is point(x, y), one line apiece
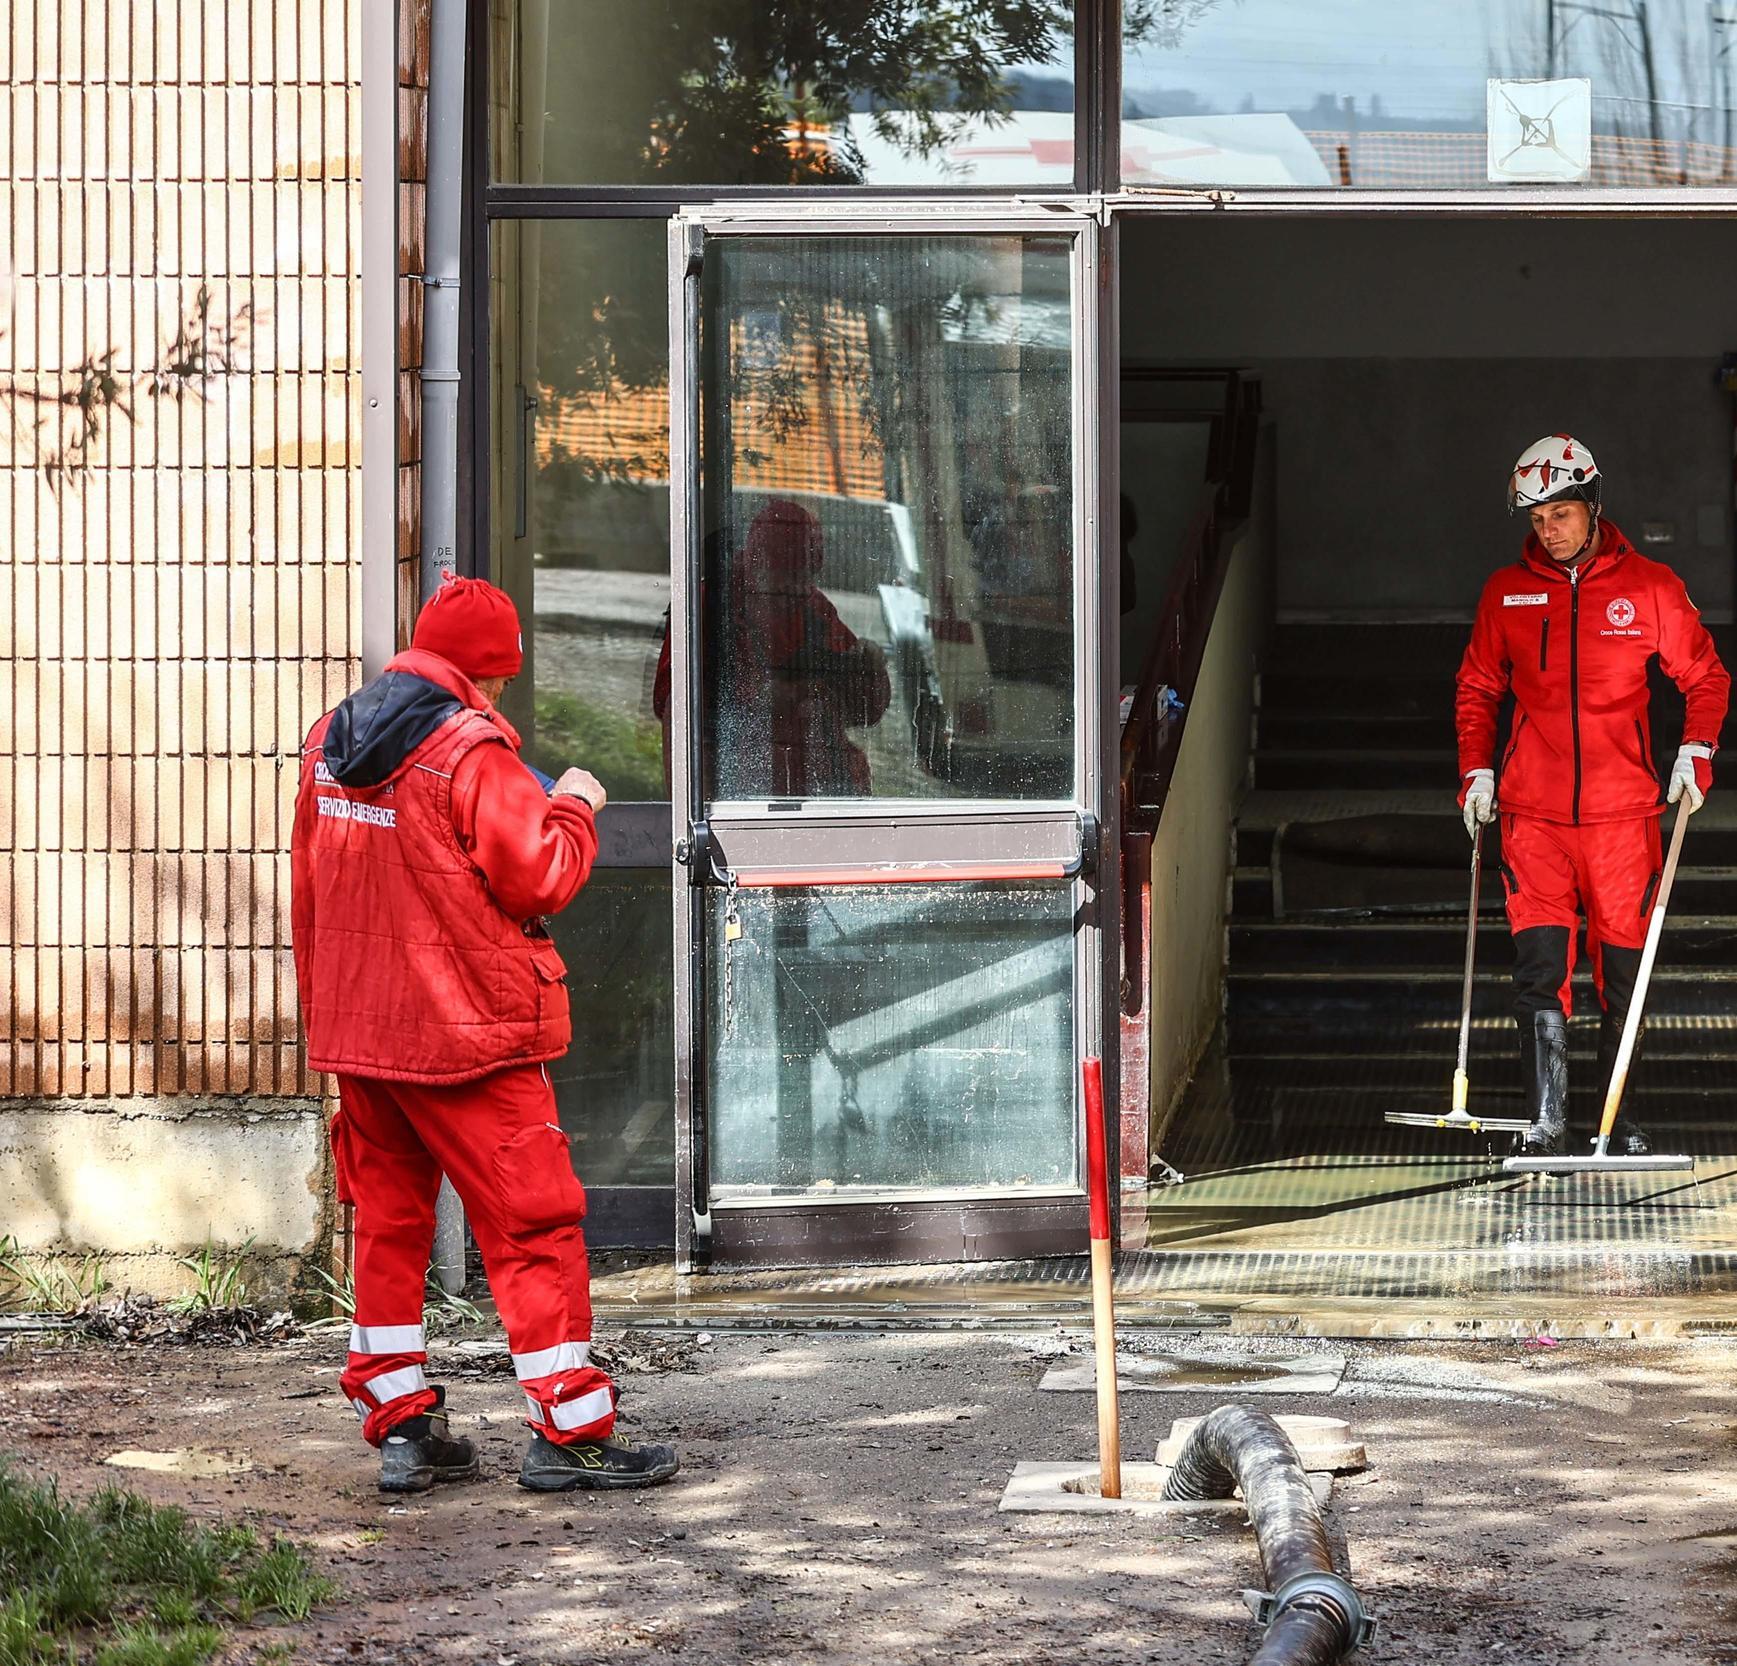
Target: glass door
point(886, 732)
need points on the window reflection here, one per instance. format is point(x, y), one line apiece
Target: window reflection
point(735, 92)
point(615, 1086)
point(579, 376)
point(885, 1037)
point(1437, 94)
point(887, 460)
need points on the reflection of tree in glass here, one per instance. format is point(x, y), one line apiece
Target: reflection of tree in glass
point(624, 754)
point(759, 92)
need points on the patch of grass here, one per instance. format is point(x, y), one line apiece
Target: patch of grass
point(119, 1581)
point(48, 1284)
point(281, 1582)
point(217, 1283)
point(624, 753)
point(144, 1645)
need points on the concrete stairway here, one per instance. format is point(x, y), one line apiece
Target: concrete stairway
point(1348, 917)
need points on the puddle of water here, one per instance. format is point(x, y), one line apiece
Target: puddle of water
point(182, 1461)
point(1208, 1376)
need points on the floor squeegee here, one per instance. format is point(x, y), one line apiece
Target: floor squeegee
point(1460, 1117)
point(1602, 1161)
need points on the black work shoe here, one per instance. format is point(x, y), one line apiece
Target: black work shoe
point(611, 1463)
point(418, 1452)
point(1544, 1067)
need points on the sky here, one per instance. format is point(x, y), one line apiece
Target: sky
point(1424, 58)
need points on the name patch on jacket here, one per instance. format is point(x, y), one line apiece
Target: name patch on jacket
point(1539, 599)
point(347, 809)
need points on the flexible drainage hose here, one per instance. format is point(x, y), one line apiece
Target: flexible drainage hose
point(1314, 1617)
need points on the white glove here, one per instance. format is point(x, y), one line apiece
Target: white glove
point(1480, 805)
point(1683, 775)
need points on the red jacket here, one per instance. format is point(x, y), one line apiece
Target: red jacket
point(1574, 648)
point(423, 856)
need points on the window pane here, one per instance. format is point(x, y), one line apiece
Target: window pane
point(1636, 94)
point(580, 499)
point(889, 1037)
point(615, 1089)
point(733, 92)
point(887, 457)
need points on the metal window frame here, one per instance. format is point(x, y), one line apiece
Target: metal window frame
point(1097, 57)
point(943, 840)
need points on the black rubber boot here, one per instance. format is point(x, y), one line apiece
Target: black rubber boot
point(1544, 1076)
point(418, 1452)
point(1627, 1137)
point(611, 1464)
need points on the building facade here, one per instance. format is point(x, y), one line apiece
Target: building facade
point(834, 390)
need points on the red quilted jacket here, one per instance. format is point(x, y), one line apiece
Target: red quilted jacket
point(1574, 648)
point(423, 856)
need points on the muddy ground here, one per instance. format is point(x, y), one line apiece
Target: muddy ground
point(838, 1502)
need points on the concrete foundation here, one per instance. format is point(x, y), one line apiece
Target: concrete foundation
point(139, 1183)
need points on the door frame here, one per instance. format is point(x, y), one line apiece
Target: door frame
point(938, 840)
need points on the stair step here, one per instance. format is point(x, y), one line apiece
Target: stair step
point(1414, 695)
point(1495, 1071)
point(1287, 728)
point(1417, 892)
point(1364, 945)
point(1432, 1032)
point(1711, 847)
point(1262, 1007)
point(1323, 769)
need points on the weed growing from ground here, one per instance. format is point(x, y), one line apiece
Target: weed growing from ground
point(216, 1283)
point(51, 1284)
point(118, 1581)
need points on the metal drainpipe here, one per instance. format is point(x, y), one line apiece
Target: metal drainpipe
point(444, 224)
point(440, 313)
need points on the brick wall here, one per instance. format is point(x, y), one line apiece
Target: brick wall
point(179, 487)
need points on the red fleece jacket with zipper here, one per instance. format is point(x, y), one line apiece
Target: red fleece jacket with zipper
point(1574, 646)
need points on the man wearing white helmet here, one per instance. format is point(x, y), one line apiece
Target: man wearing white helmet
point(1570, 629)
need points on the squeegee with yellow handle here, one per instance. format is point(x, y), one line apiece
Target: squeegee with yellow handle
point(1460, 1117)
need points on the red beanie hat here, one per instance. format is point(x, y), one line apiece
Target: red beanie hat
point(470, 623)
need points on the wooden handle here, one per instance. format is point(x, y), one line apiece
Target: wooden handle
point(1104, 1341)
point(1637, 1001)
point(1103, 1282)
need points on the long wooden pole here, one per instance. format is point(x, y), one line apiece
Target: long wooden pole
point(1103, 1283)
point(1643, 978)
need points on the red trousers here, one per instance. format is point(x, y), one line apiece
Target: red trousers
point(497, 1140)
point(1553, 873)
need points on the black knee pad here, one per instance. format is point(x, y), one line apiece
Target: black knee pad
point(1540, 969)
point(1619, 969)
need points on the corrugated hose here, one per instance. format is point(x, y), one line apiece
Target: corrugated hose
point(1313, 1615)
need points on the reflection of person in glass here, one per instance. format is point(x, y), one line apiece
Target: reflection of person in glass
point(800, 677)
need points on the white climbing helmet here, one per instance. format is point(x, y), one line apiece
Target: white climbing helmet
point(1555, 467)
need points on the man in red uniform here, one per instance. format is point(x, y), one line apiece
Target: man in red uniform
point(1570, 628)
point(423, 859)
